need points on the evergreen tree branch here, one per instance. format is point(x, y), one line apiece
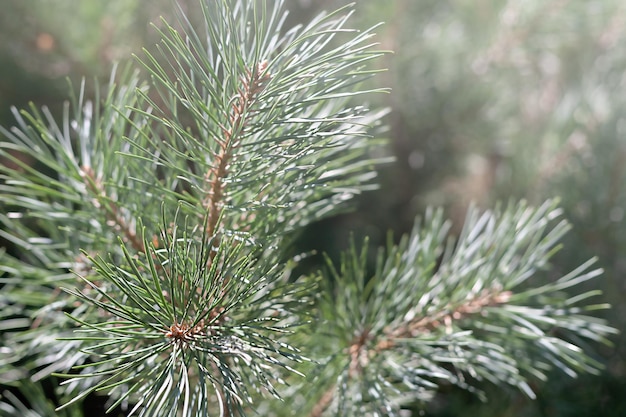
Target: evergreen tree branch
point(112, 212)
point(421, 325)
point(214, 314)
point(251, 155)
point(418, 320)
point(50, 216)
point(250, 89)
point(174, 207)
point(259, 114)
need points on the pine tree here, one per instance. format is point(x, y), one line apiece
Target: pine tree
point(152, 244)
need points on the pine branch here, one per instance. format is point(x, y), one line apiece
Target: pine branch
point(259, 114)
point(246, 129)
point(173, 202)
point(50, 217)
point(199, 323)
point(112, 211)
point(250, 89)
point(417, 321)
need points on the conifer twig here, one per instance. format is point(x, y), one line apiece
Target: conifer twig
point(104, 202)
point(466, 321)
point(360, 355)
point(475, 305)
point(251, 86)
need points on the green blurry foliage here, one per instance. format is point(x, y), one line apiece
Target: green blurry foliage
point(59, 38)
point(45, 42)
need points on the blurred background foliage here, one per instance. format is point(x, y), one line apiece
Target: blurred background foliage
point(491, 100)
